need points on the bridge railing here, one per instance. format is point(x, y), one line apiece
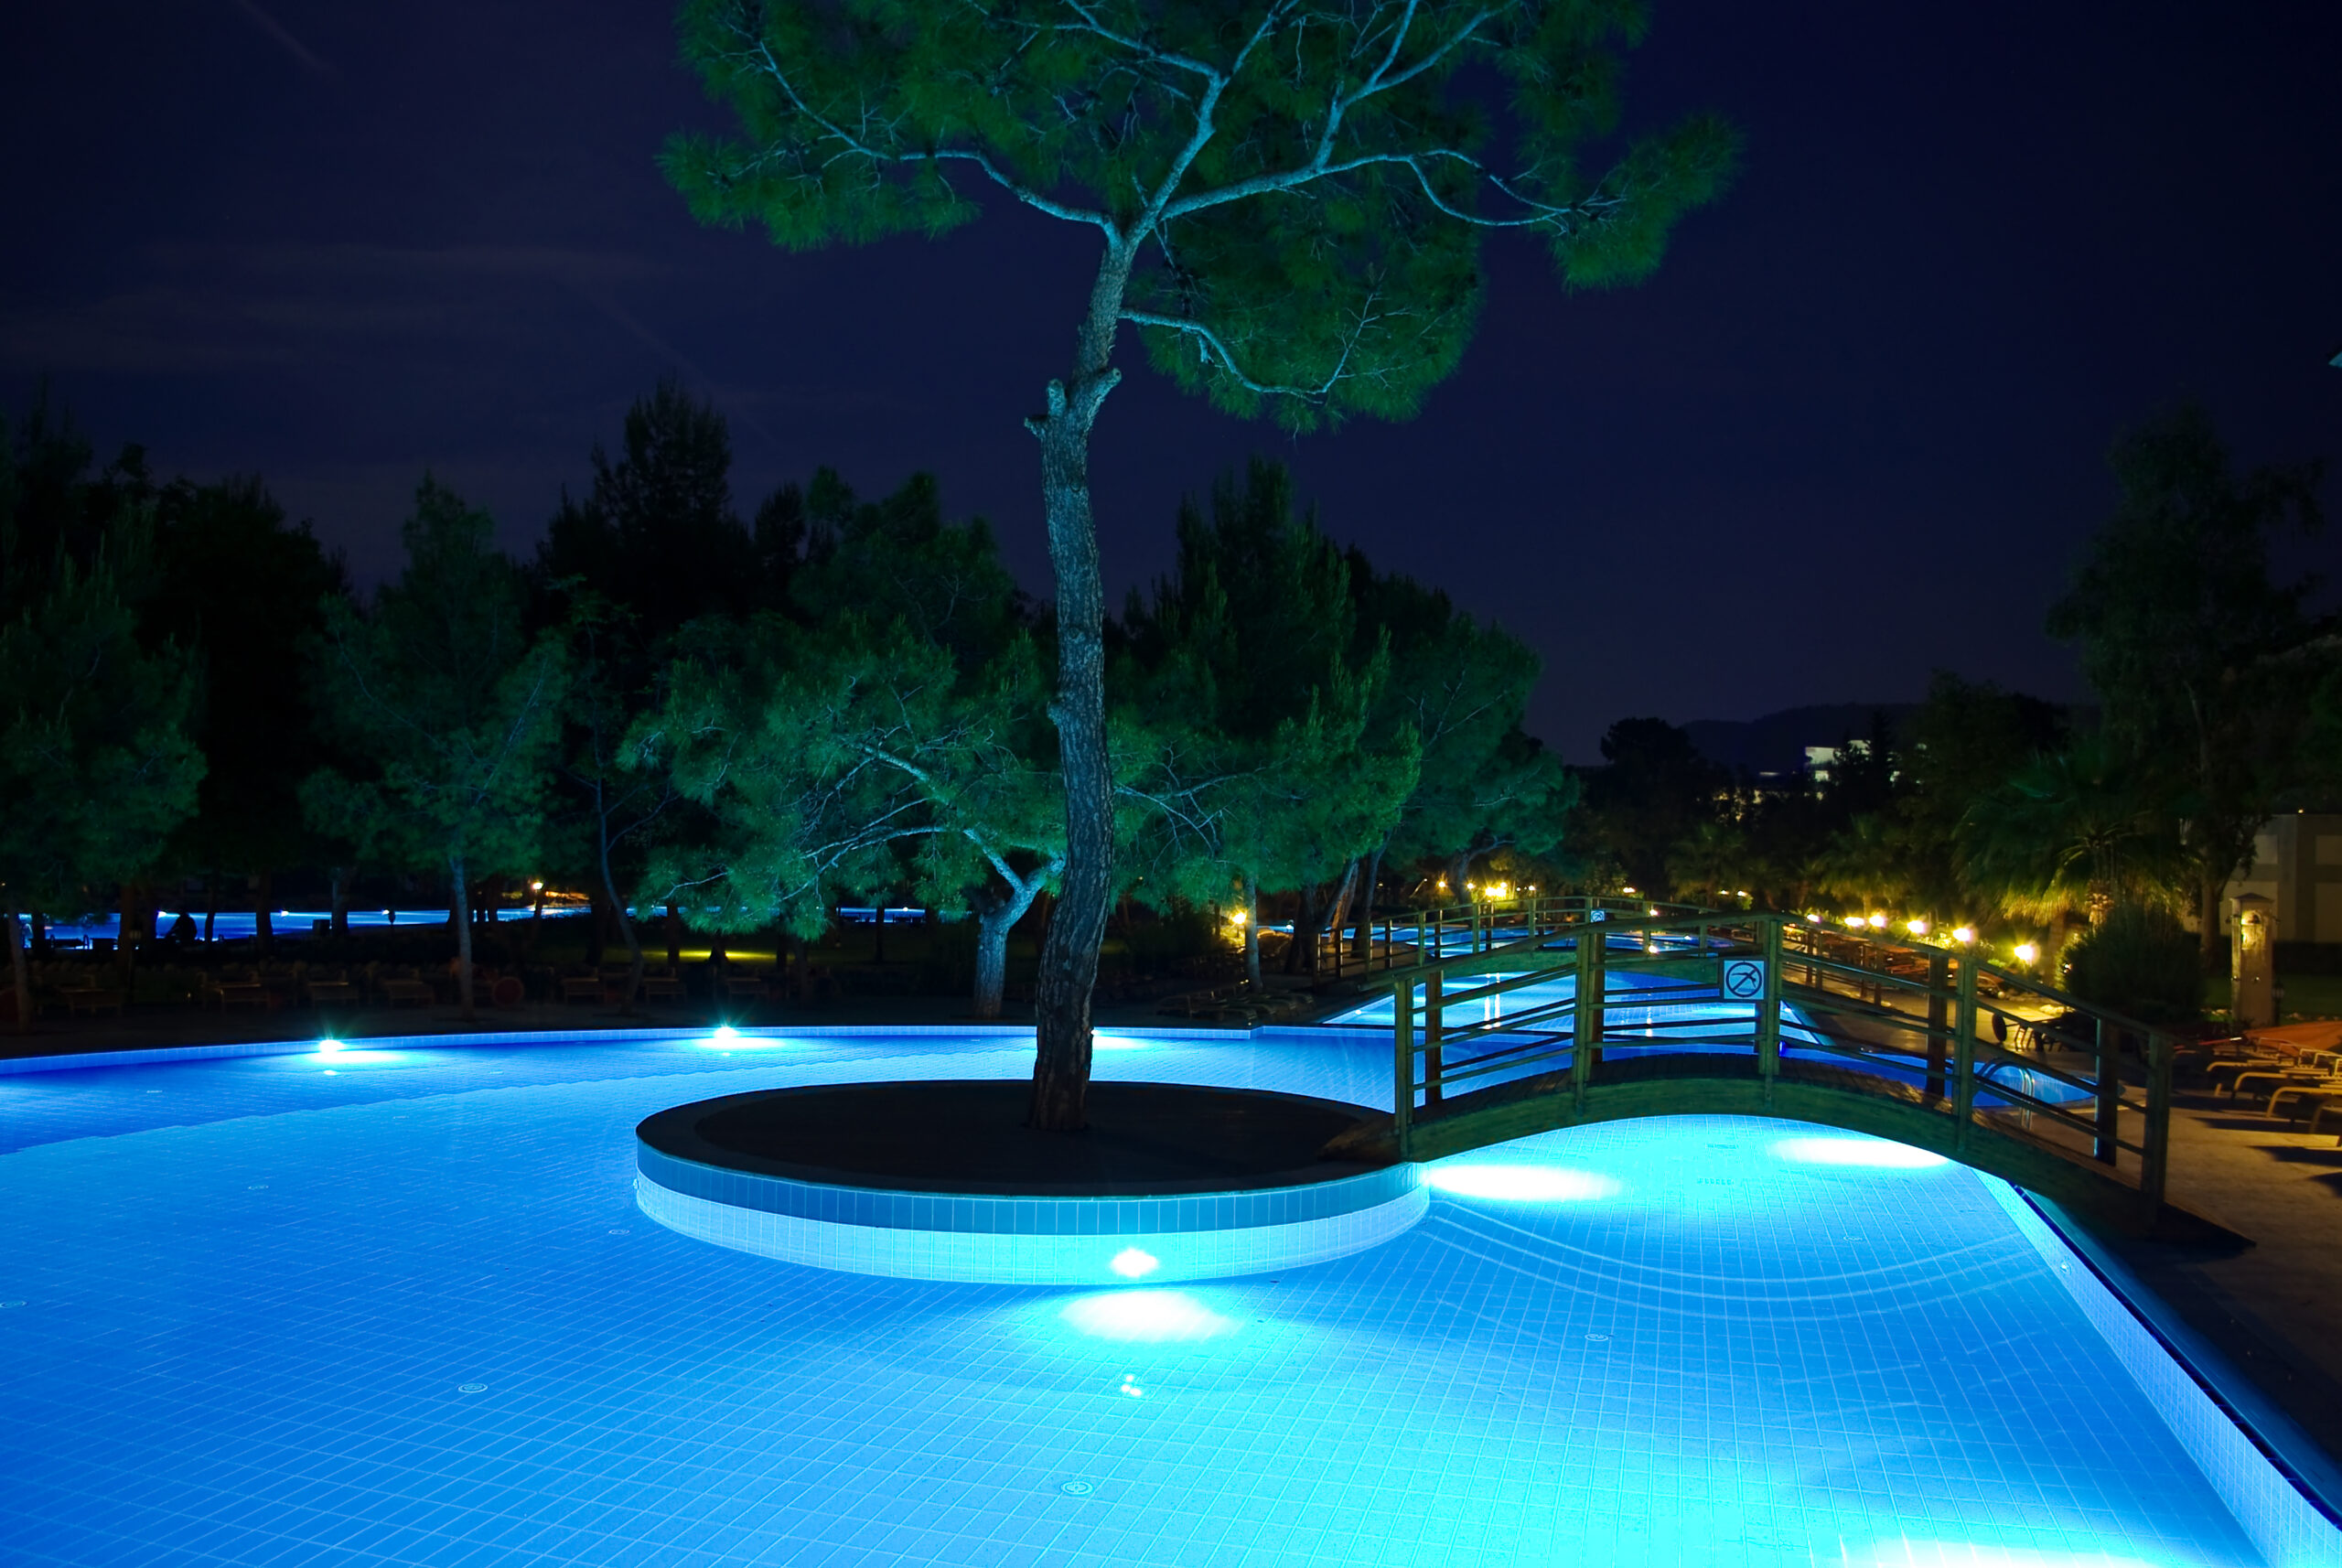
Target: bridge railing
point(1397, 938)
point(1978, 1043)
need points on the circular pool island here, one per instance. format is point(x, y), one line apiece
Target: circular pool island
point(941, 1180)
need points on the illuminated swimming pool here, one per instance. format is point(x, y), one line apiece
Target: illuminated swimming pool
point(397, 1306)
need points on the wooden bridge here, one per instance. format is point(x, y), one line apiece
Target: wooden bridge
point(1666, 1010)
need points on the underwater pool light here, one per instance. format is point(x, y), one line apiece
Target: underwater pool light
point(1523, 1184)
point(1145, 1315)
point(330, 1047)
point(1872, 1154)
point(1133, 1264)
point(726, 1033)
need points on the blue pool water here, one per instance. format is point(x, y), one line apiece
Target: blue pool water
point(396, 1306)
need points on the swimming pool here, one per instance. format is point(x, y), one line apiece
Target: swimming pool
point(397, 1306)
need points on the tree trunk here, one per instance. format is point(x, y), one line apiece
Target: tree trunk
point(1362, 938)
point(1069, 967)
point(2207, 919)
point(40, 935)
point(674, 930)
point(211, 904)
point(626, 929)
point(594, 931)
point(463, 936)
point(1337, 913)
point(1251, 931)
point(126, 945)
point(344, 878)
point(19, 971)
point(263, 887)
point(995, 918)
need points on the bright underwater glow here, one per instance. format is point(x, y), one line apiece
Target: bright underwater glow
point(330, 1047)
point(1523, 1184)
point(1118, 1042)
point(1133, 1265)
point(1146, 1315)
point(1874, 1154)
point(1962, 1554)
point(726, 1033)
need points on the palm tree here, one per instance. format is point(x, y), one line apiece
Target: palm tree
point(1865, 865)
point(2072, 833)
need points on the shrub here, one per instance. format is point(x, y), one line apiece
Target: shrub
point(2141, 961)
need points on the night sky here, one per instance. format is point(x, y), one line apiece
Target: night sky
point(1853, 430)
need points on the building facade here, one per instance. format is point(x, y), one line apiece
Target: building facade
point(2297, 866)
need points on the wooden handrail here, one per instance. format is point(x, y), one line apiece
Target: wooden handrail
point(1952, 1063)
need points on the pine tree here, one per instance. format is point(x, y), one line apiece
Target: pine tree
point(1288, 200)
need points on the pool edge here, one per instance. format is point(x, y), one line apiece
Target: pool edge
point(2296, 1520)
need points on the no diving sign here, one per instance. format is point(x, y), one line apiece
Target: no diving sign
point(1744, 979)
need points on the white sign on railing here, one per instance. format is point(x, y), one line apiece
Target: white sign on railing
point(1742, 979)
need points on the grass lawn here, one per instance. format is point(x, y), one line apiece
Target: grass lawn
point(2304, 997)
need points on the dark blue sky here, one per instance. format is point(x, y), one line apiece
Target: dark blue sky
point(1852, 430)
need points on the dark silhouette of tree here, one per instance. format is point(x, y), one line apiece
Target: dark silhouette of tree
point(2183, 634)
point(450, 703)
point(96, 765)
point(1652, 789)
point(245, 594)
point(656, 532)
point(1288, 200)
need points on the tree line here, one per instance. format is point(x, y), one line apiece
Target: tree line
point(2218, 703)
point(749, 719)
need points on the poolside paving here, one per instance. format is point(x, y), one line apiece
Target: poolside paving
point(2273, 1308)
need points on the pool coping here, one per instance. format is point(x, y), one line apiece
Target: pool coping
point(2291, 1451)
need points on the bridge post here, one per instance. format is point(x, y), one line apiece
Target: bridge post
point(1938, 1021)
point(1963, 1055)
point(1768, 1005)
point(2104, 1147)
point(1434, 1009)
point(2154, 1161)
point(1585, 1012)
point(1402, 1041)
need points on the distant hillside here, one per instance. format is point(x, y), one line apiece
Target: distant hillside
point(1777, 742)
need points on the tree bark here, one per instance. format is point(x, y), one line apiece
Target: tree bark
point(1069, 969)
point(626, 928)
point(344, 878)
point(2208, 919)
point(1251, 931)
point(20, 971)
point(126, 945)
point(995, 918)
point(263, 887)
point(463, 936)
point(1362, 938)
